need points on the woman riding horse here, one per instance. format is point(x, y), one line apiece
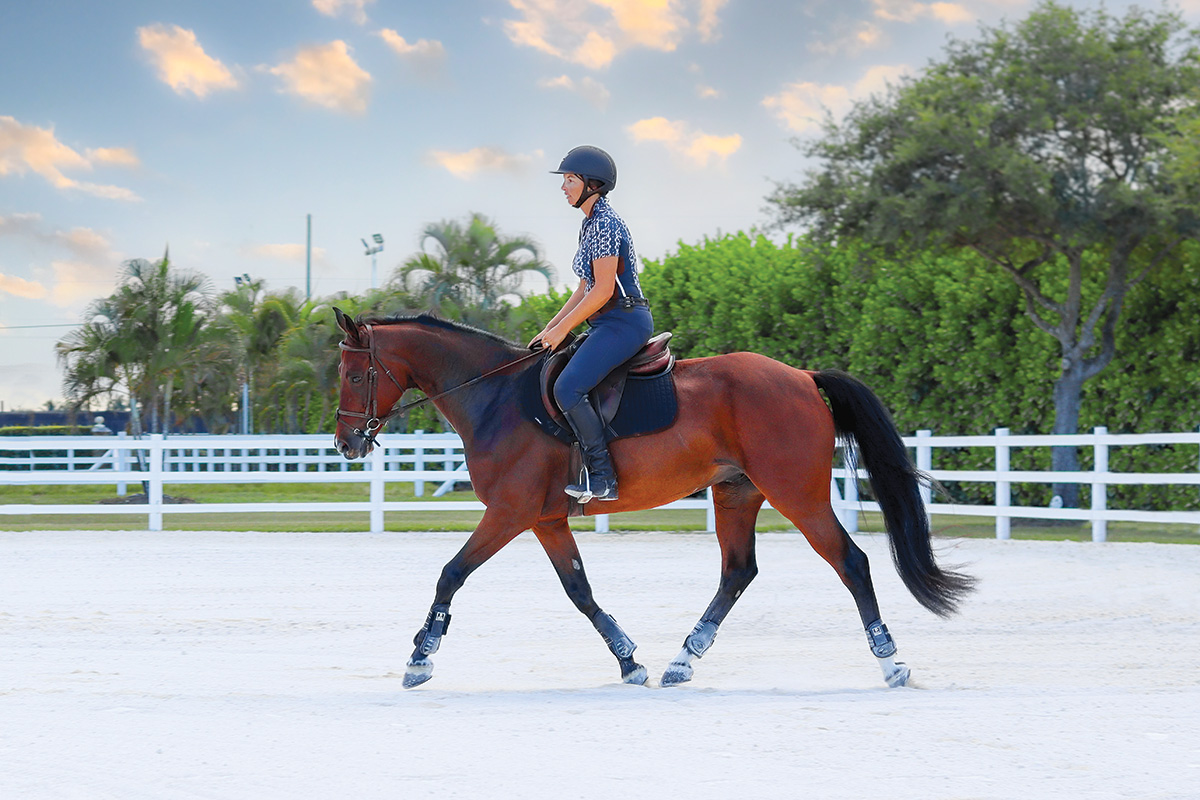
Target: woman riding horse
point(610, 299)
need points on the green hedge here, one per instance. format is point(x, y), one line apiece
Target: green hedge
point(45, 430)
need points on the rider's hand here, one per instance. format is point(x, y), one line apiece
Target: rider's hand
point(553, 337)
point(537, 342)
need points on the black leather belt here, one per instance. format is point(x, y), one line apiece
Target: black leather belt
point(631, 302)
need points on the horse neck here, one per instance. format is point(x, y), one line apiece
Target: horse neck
point(440, 359)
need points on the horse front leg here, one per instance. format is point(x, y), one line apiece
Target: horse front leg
point(492, 533)
point(559, 544)
point(737, 504)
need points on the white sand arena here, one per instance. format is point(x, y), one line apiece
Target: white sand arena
point(215, 665)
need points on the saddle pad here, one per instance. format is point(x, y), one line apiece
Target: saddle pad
point(648, 405)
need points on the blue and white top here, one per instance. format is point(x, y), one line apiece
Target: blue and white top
point(604, 234)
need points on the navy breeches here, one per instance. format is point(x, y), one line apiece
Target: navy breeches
point(614, 338)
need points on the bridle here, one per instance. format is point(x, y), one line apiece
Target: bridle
point(373, 423)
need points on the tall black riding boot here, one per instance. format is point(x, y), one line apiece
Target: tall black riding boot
point(599, 479)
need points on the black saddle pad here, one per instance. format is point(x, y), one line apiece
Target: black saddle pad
point(648, 405)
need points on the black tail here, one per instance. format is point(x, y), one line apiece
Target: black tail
point(858, 414)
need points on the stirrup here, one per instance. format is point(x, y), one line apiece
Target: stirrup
point(583, 491)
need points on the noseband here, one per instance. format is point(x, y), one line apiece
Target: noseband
point(373, 423)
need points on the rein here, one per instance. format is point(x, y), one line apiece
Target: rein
point(373, 422)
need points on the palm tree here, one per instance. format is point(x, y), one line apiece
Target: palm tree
point(252, 323)
point(139, 339)
point(471, 272)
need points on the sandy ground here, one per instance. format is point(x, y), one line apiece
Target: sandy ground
point(218, 665)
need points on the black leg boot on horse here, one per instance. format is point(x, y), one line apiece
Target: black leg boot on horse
point(599, 479)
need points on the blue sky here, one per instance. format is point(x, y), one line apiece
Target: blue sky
point(214, 127)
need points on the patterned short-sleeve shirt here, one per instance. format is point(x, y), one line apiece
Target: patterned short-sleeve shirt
point(603, 234)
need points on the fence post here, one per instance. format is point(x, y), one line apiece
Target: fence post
point(419, 463)
point(850, 490)
point(1003, 487)
point(710, 512)
point(601, 523)
point(120, 459)
point(1099, 488)
point(925, 464)
point(377, 484)
point(155, 498)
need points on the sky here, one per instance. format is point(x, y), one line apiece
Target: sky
point(215, 127)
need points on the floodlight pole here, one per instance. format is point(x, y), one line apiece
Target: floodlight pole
point(372, 250)
point(308, 262)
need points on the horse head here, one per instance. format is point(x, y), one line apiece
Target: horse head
point(364, 401)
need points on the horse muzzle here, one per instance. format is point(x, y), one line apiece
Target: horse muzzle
point(355, 445)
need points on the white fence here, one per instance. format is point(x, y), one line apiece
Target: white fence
point(438, 458)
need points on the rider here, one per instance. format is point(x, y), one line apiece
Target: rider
point(609, 298)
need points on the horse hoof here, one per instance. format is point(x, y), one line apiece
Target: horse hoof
point(677, 673)
point(417, 672)
point(899, 677)
point(636, 676)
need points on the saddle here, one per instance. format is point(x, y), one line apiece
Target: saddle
point(653, 407)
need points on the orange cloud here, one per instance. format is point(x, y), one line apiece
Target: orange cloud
point(695, 146)
point(326, 75)
point(467, 164)
point(182, 63)
point(28, 148)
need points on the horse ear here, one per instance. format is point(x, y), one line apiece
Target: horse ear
point(345, 323)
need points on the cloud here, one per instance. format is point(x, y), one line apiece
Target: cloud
point(862, 37)
point(327, 76)
point(77, 282)
point(588, 88)
point(426, 57)
point(19, 287)
point(594, 32)
point(355, 9)
point(468, 164)
point(707, 23)
point(182, 63)
point(82, 242)
point(802, 106)
point(695, 146)
point(117, 156)
point(706, 92)
point(90, 272)
point(28, 148)
point(86, 243)
point(285, 252)
point(910, 11)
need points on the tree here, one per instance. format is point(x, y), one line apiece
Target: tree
point(1046, 147)
point(139, 339)
point(251, 324)
point(471, 272)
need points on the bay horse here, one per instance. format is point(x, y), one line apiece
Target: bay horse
point(750, 427)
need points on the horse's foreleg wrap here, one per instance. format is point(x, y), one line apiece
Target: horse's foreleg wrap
point(618, 642)
point(701, 638)
point(882, 643)
point(430, 636)
point(694, 646)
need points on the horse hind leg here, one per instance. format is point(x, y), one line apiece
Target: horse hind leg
point(831, 541)
point(737, 504)
point(559, 543)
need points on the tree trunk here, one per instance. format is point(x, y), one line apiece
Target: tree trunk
point(1068, 391)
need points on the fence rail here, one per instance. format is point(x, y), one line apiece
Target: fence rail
point(159, 461)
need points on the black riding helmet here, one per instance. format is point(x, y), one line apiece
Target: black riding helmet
point(591, 164)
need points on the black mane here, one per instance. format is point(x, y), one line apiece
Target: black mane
point(434, 321)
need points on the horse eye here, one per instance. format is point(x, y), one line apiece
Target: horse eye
point(356, 378)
